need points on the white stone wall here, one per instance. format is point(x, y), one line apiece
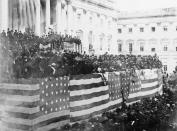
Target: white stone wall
point(99, 21)
point(158, 39)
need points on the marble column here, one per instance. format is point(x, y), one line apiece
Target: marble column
point(59, 16)
point(70, 19)
point(3, 15)
point(38, 21)
point(0, 14)
point(85, 44)
point(74, 20)
point(63, 18)
point(47, 15)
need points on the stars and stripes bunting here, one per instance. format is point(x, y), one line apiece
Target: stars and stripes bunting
point(34, 107)
point(89, 96)
point(150, 84)
point(115, 95)
point(19, 105)
point(135, 89)
point(52, 102)
point(160, 80)
point(125, 84)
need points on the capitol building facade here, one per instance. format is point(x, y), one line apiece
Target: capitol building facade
point(93, 21)
point(149, 33)
point(99, 25)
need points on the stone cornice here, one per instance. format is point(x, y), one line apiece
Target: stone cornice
point(147, 20)
point(83, 4)
point(158, 16)
point(100, 5)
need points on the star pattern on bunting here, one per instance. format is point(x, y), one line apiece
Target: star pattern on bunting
point(114, 86)
point(135, 86)
point(54, 94)
point(125, 84)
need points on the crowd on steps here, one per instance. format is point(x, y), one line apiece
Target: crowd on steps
point(29, 56)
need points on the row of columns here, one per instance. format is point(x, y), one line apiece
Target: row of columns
point(3, 14)
point(60, 21)
point(38, 20)
point(58, 16)
point(63, 21)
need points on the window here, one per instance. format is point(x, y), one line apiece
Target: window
point(90, 20)
point(130, 47)
point(119, 31)
point(153, 49)
point(119, 47)
point(165, 67)
point(130, 30)
point(153, 29)
point(109, 47)
point(165, 28)
point(78, 16)
point(141, 43)
point(141, 29)
point(176, 28)
point(141, 48)
point(165, 48)
point(176, 48)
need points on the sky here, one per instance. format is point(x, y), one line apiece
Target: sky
point(133, 5)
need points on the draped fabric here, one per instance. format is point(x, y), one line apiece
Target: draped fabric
point(89, 96)
point(40, 106)
point(52, 102)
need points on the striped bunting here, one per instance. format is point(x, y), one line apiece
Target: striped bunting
point(19, 105)
point(149, 85)
point(89, 96)
point(114, 90)
point(125, 84)
point(160, 81)
point(134, 90)
point(27, 108)
point(54, 103)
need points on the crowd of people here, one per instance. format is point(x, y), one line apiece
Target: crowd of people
point(24, 53)
point(151, 114)
point(123, 62)
point(30, 56)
